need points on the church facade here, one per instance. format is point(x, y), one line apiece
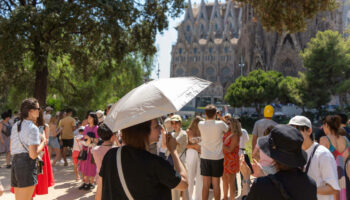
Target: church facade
point(221, 41)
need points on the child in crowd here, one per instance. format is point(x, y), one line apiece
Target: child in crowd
point(77, 147)
point(87, 167)
point(99, 152)
point(264, 160)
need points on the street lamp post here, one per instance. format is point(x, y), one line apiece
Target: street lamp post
point(241, 65)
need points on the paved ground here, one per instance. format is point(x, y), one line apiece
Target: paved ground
point(65, 188)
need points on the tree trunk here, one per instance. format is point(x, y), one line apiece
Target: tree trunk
point(41, 72)
point(40, 88)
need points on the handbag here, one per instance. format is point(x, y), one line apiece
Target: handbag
point(39, 161)
point(82, 154)
point(121, 175)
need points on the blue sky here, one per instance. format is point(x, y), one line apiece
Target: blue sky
point(164, 43)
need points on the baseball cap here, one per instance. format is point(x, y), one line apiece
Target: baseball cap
point(48, 108)
point(300, 121)
point(176, 118)
point(268, 111)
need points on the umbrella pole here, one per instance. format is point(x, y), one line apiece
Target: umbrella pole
point(161, 121)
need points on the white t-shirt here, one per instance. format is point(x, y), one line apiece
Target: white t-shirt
point(243, 140)
point(212, 132)
point(47, 118)
point(323, 169)
point(78, 143)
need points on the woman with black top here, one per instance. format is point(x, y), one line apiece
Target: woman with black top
point(146, 176)
point(283, 145)
point(26, 144)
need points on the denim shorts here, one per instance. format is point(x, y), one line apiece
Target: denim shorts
point(53, 142)
point(23, 171)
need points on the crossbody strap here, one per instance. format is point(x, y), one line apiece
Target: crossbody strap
point(121, 175)
point(19, 138)
point(311, 156)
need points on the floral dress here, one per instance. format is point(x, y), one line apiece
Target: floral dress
point(231, 159)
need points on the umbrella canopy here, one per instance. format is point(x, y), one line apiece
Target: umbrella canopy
point(153, 99)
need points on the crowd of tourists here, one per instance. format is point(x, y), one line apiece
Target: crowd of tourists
point(159, 159)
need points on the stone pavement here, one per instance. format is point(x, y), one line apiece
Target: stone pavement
point(65, 188)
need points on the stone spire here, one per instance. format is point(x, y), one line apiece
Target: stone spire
point(189, 12)
point(202, 24)
point(229, 21)
point(216, 22)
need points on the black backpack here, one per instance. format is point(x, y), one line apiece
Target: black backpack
point(6, 129)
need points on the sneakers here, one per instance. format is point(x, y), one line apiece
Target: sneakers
point(87, 186)
point(91, 186)
point(8, 166)
point(83, 187)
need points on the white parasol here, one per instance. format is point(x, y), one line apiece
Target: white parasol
point(152, 100)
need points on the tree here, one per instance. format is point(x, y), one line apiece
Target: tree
point(289, 91)
point(83, 93)
point(291, 16)
point(327, 63)
point(256, 89)
point(90, 32)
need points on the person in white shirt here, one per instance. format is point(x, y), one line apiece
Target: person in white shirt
point(47, 115)
point(212, 158)
point(320, 164)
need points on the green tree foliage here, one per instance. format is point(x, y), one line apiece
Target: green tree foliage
point(287, 15)
point(94, 34)
point(289, 90)
point(327, 63)
point(256, 89)
point(93, 90)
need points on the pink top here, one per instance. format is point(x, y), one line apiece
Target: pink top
point(99, 152)
point(265, 160)
point(90, 129)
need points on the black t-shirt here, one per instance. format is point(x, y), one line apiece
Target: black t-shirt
point(297, 184)
point(147, 176)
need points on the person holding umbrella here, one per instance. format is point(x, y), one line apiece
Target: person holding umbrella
point(135, 115)
point(142, 166)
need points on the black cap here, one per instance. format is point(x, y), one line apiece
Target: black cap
point(283, 144)
point(91, 134)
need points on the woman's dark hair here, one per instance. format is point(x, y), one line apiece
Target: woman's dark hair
point(87, 114)
point(137, 135)
point(104, 132)
point(26, 106)
point(334, 122)
point(94, 116)
point(194, 125)
point(6, 114)
point(282, 167)
point(40, 119)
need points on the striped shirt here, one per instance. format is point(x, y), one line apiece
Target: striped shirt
point(29, 135)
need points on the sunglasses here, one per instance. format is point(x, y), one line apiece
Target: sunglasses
point(36, 108)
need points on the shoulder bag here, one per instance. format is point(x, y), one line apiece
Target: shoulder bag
point(121, 175)
point(39, 162)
